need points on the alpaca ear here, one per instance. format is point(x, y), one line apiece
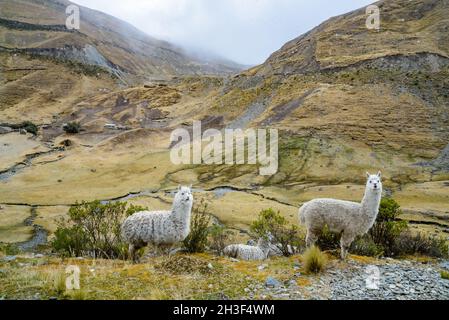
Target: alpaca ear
point(179, 187)
point(379, 174)
point(367, 174)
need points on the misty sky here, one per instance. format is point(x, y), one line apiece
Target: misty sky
point(246, 31)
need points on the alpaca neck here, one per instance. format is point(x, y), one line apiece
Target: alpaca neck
point(370, 203)
point(181, 212)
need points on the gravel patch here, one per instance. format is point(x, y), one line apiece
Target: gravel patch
point(384, 280)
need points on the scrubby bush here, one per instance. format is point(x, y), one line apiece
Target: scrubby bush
point(93, 229)
point(9, 249)
point(28, 126)
point(409, 243)
point(219, 238)
point(196, 241)
point(314, 260)
point(283, 235)
point(365, 246)
point(72, 127)
point(387, 227)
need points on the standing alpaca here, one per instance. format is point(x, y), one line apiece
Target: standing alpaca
point(247, 252)
point(348, 218)
point(159, 227)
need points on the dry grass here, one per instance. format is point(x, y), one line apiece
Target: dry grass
point(12, 227)
point(14, 147)
point(427, 196)
point(314, 260)
point(176, 277)
point(184, 264)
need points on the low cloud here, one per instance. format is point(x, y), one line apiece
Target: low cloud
point(244, 31)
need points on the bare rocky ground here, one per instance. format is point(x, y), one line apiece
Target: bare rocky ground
point(395, 280)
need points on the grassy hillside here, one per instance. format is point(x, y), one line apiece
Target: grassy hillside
point(345, 99)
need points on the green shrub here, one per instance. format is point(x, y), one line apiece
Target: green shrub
point(408, 244)
point(196, 241)
point(28, 126)
point(274, 224)
point(93, 229)
point(387, 228)
point(9, 249)
point(365, 246)
point(219, 238)
point(314, 260)
point(69, 241)
point(444, 275)
point(72, 127)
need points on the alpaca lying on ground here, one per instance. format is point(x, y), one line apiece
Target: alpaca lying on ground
point(248, 252)
point(275, 250)
point(159, 227)
point(348, 218)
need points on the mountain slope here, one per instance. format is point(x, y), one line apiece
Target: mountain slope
point(387, 89)
point(46, 68)
point(102, 40)
point(407, 27)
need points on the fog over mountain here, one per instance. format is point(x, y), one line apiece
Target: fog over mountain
point(243, 31)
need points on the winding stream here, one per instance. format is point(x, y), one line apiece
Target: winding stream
point(15, 169)
point(39, 235)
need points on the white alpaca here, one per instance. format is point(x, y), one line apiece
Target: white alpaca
point(159, 227)
point(247, 252)
point(348, 218)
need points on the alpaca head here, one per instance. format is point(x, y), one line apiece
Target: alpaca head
point(265, 241)
point(374, 183)
point(183, 197)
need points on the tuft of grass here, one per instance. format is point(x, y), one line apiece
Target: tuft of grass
point(77, 295)
point(314, 260)
point(56, 282)
point(444, 275)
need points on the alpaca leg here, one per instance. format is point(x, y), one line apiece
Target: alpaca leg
point(133, 248)
point(345, 243)
point(311, 238)
point(132, 251)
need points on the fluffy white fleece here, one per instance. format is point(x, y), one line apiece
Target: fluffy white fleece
point(348, 218)
point(159, 227)
point(247, 252)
